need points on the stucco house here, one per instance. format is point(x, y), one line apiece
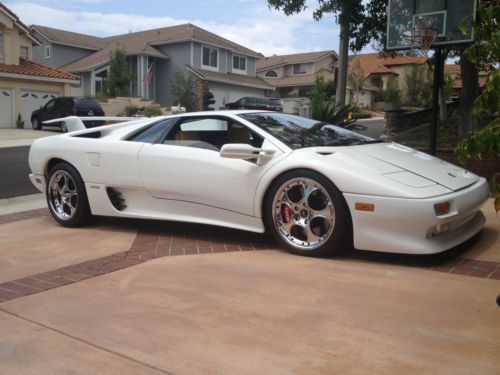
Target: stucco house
point(25, 84)
point(294, 75)
point(454, 71)
point(227, 69)
point(377, 69)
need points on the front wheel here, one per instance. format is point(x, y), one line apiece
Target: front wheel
point(308, 215)
point(66, 196)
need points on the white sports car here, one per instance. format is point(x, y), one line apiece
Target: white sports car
point(317, 187)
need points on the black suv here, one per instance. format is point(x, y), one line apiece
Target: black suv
point(270, 104)
point(67, 106)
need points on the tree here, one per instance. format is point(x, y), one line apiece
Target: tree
point(418, 86)
point(356, 78)
point(182, 90)
point(484, 53)
point(360, 22)
point(318, 96)
point(323, 105)
point(367, 20)
point(393, 93)
point(119, 73)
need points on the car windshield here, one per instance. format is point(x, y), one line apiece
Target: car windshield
point(299, 132)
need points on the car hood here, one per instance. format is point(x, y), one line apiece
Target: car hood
point(422, 164)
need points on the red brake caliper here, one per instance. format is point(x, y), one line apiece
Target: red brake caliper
point(286, 213)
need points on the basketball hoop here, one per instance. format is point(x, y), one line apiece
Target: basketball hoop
point(419, 38)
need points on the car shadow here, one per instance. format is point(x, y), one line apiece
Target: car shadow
point(447, 257)
point(216, 236)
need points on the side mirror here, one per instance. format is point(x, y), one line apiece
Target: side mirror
point(244, 151)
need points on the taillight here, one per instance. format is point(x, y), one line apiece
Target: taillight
point(286, 213)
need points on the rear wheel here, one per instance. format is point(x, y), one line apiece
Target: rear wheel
point(308, 215)
point(35, 123)
point(66, 196)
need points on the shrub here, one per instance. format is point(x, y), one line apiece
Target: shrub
point(182, 90)
point(393, 93)
point(19, 122)
point(152, 111)
point(131, 110)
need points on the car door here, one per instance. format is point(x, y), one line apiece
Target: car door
point(47, 111)
point(187, 165)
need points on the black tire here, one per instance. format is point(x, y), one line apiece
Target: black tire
point(36, 124)
point(317, 228)
point(67, 197)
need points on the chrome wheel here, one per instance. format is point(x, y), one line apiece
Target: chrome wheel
point(303, 213)
point(62, 195)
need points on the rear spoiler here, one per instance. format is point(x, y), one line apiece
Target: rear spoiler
point(74, 123)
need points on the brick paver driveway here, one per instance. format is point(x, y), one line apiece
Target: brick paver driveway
point(256, 310)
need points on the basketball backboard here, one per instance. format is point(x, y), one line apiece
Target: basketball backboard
point(444, 16)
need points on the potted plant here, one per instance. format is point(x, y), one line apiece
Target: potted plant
point(19, 122)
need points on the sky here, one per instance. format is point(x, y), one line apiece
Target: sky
point(247, 22)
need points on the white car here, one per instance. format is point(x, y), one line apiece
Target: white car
point(318, 188)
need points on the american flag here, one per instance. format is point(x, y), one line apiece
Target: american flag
point(148, 79)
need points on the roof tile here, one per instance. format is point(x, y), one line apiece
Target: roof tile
point(296, 58)
point(31, 68)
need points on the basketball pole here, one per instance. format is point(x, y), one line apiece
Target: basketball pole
point(438, 79)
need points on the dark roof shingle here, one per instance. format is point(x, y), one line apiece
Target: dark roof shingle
point(296, 58)
point(136, 43)
point(230, 78)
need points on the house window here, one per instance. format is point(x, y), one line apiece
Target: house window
point(1, 43)
point(101, 82)
point(24, 52)
point(299, 68)
point(271, 73)
point(210, 58)
point(377, 81)
point(47, 52)
point(239, 64)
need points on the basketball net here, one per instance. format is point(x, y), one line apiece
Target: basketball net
point(419, 39)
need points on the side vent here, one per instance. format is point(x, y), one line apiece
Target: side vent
point(325, 153)
point(116, 199)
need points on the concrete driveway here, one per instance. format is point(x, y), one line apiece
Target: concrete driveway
point(146, 297)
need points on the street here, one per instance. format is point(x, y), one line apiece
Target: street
point(14, 170)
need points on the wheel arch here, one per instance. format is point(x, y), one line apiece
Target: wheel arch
point(266, 188)
point(54, 161)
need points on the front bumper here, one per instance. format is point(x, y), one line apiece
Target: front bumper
point(38, 181)
point(410, 226)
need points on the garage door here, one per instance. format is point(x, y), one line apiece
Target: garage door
point(220, 98)
point(6, 120)
point(31, 100)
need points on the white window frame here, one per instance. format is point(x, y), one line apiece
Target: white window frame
point(21, 48)
point(47, 52)
point(271, 76)
point(210, 67)
point(236, 70)
point(2, 43)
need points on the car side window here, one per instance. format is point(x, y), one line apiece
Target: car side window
point(50, 104)
point(153, 133)
point(211, 133)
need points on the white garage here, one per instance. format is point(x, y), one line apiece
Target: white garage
point(224, 94)
point(6, 108)
point(31, 100)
